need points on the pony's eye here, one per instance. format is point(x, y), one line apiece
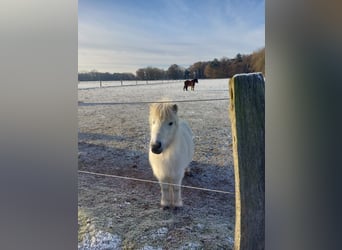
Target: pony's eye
point(170, 124)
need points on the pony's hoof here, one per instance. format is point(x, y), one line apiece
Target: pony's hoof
point(165, 208)
point(188, 174)
point(176, 209)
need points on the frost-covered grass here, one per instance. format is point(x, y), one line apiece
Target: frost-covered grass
point(114, 138)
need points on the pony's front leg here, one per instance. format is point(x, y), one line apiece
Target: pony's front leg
point(165, 195)
point(177, 195)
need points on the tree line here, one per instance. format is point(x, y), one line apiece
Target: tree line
point(98, 76)
point(223, 68)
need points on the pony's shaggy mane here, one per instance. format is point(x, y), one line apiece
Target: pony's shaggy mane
point(163, 111)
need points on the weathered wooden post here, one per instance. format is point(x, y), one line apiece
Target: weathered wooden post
point(247, 114)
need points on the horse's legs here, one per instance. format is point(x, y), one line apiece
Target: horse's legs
point(171, 194)
point(177, 197)
point(165, 195)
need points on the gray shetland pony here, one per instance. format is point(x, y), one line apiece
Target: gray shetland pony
point(171, 151)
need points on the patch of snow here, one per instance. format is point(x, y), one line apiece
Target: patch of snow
point(191, 246)
point(151, 248)
point(100, 241)
point(230, 240)
point(161, 232)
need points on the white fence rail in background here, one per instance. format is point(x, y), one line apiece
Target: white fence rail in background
point(99, 84)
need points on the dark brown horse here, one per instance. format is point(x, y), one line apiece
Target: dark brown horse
point(190, 83)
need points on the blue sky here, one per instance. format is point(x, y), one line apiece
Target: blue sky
point(125, 35)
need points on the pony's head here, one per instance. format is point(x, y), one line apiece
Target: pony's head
point(196, 80)
point(163, 124)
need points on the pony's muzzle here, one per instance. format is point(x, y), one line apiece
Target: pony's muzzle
point(156, 147)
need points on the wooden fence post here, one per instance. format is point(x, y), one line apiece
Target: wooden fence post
point(247, 114)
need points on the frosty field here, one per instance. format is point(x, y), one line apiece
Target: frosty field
point(116, 213)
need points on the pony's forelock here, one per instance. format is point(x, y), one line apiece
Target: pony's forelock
point(163, 111)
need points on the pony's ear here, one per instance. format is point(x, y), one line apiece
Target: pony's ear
point(175, 108)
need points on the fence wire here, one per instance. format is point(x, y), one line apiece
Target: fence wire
point(80, 103)
point(154, 182)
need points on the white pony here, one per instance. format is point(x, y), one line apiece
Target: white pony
point(171, 151)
